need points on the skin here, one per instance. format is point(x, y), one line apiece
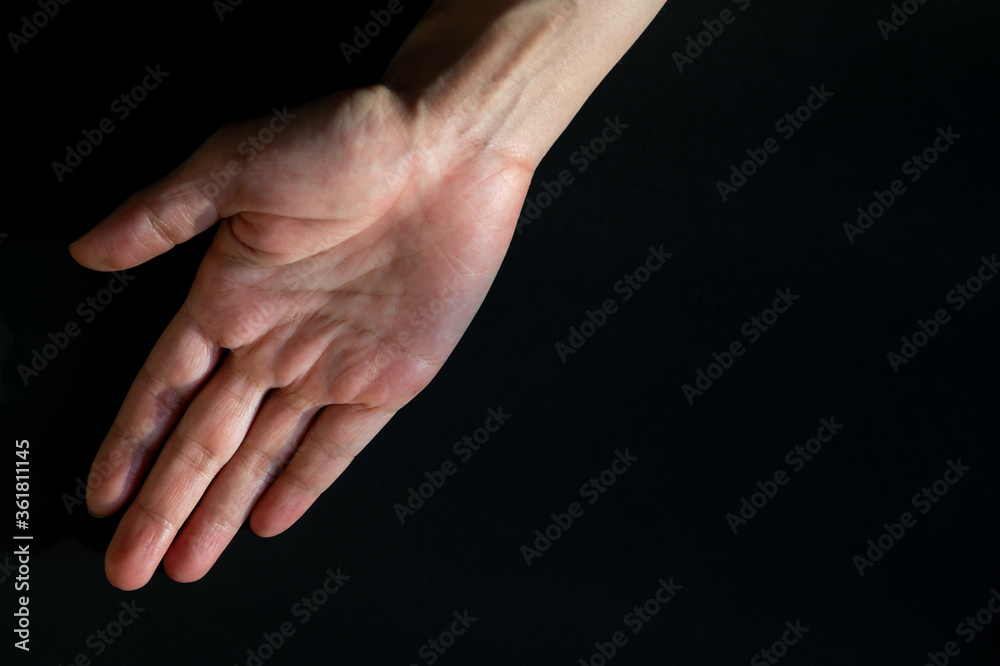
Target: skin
point(352, 253)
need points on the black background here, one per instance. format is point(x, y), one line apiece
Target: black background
point(666, 516)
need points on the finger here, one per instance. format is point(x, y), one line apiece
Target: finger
point(339, 434)
point(155, 219)
point(179, 364)
point(271, 442)
point(204, 440)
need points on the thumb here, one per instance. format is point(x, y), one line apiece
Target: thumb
point(158, 217)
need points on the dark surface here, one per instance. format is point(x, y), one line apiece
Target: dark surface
point(666, 516)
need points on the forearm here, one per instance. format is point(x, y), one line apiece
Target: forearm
point(511, 74)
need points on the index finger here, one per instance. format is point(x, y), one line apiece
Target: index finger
point(176, 368)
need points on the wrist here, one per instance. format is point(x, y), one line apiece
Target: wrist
point(507, 76)
point(463, 75)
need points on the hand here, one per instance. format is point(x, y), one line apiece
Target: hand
point(353, 252)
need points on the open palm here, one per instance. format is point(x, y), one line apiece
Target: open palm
point(354, 249)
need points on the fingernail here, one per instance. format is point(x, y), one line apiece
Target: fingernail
point(92, 514)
